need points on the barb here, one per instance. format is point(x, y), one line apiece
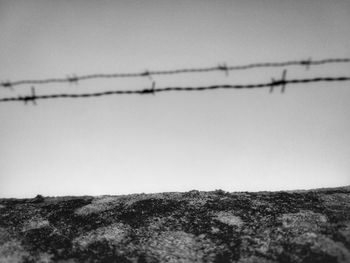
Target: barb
point(307, 63)
point(224, 68)
point(73, 79)
point(147, 73)
point(166, 89)
point(149, 91)
point(220, 67)
point(7, 84)
point(281, 82)
point(32, 98)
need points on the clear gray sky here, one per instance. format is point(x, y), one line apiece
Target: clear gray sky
point(235, 140)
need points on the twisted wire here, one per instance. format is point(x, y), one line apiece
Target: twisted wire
point(283, 82)
point(220, 67)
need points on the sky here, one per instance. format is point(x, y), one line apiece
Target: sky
point(235, 140)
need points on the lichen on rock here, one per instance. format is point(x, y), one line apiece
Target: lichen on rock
point(179, 246)
point(229, 218)
point(303, 221)
point(113, 234)
point(264, 227)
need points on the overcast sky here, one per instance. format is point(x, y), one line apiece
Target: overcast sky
point(235, 140)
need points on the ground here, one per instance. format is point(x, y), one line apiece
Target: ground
point(218, 226)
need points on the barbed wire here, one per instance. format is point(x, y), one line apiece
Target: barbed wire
point(282, 82)
point(221, 67)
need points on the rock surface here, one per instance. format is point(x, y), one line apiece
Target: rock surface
point(244, 227)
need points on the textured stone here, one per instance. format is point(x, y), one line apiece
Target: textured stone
point(267, 227)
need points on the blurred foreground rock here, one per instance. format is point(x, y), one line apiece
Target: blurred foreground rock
point(264, 227)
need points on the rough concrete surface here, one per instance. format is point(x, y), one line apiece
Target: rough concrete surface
point(244, 227)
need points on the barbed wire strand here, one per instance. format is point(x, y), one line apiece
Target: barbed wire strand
point(282, 82)
point(221, 67)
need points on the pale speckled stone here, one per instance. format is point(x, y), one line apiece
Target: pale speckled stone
point(178, 246)
point(35, 223)
point(113, 234)
point(229, 218)
point(303, 221)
